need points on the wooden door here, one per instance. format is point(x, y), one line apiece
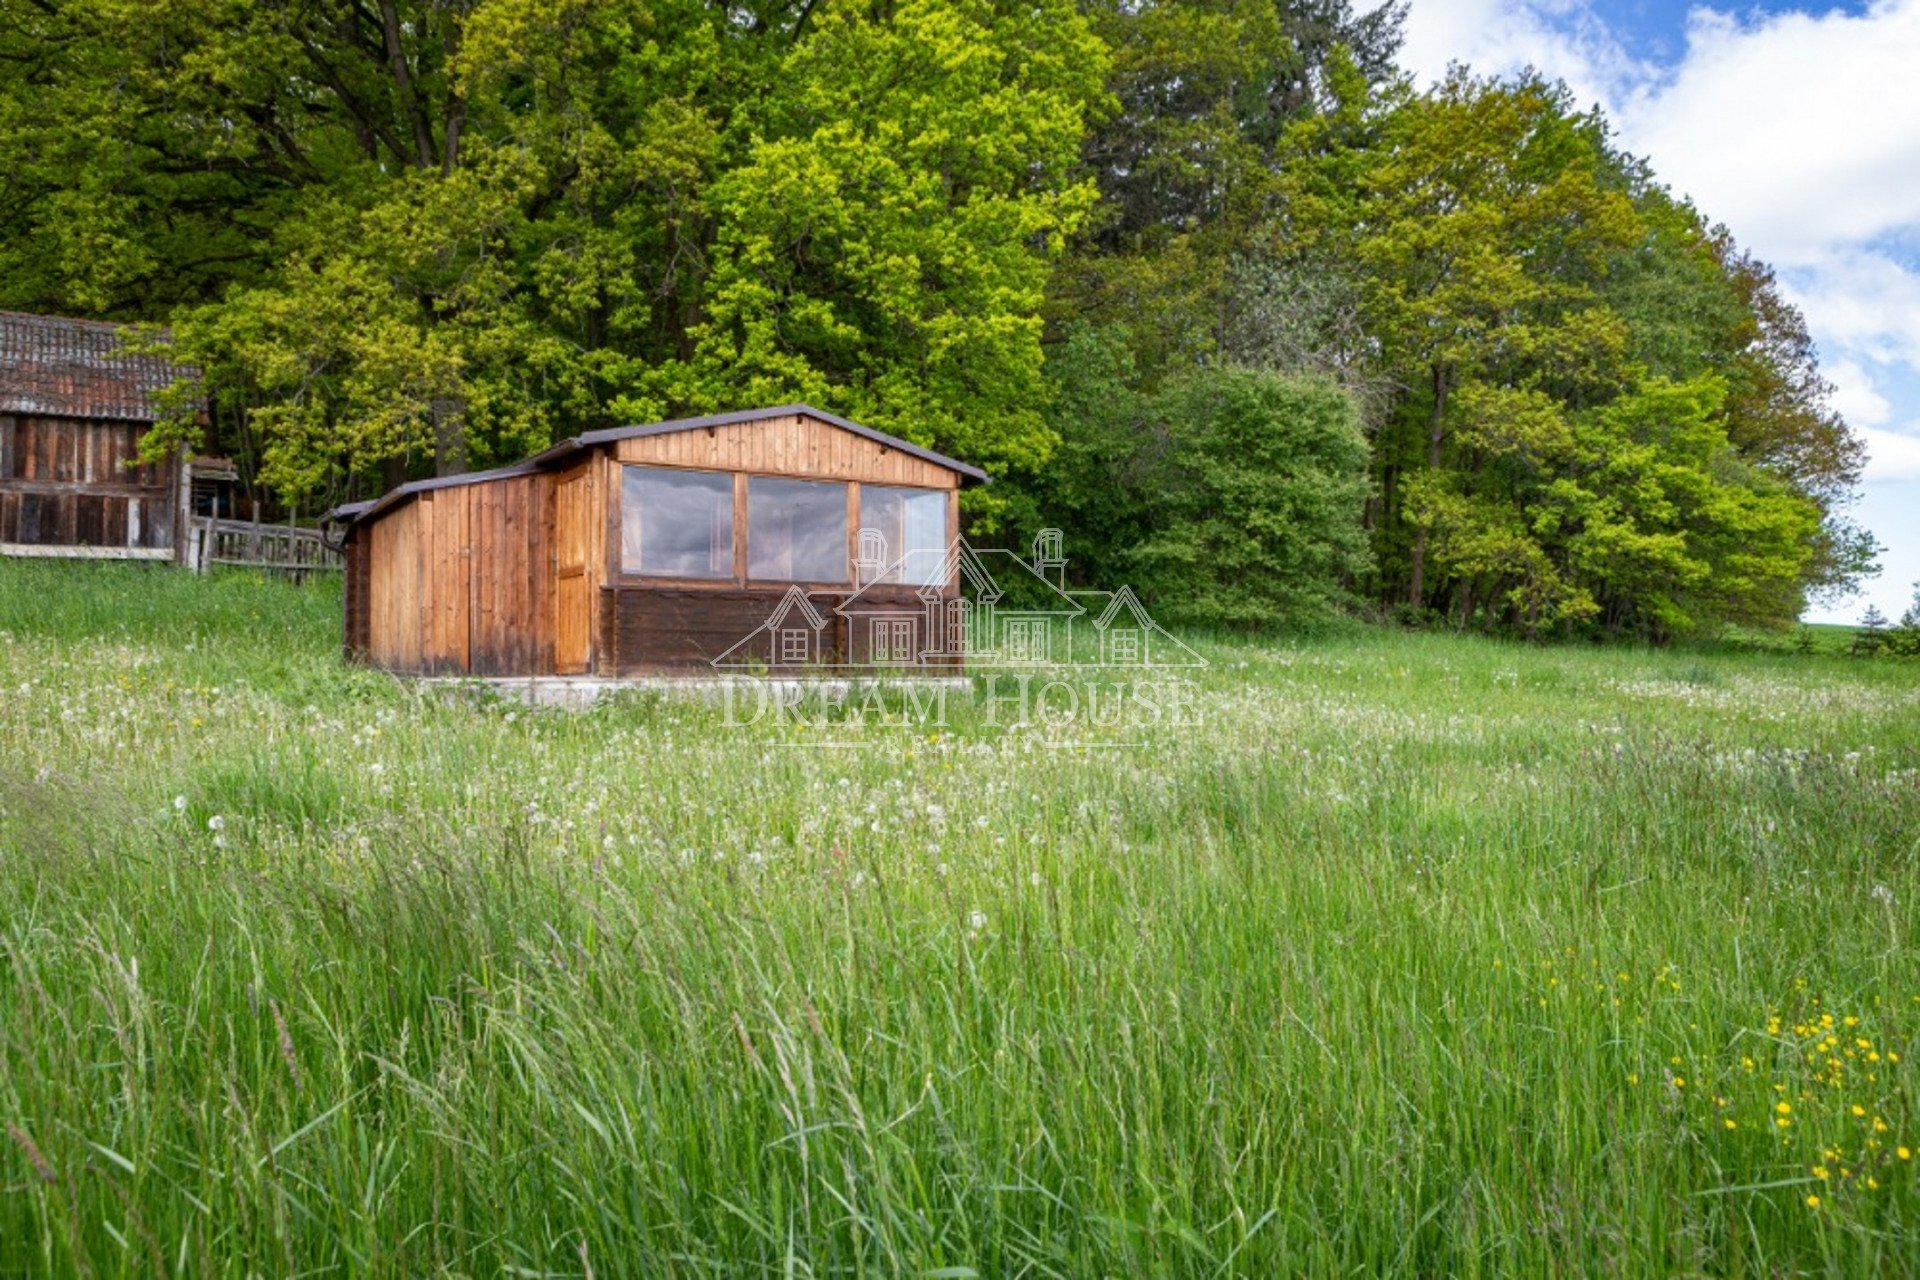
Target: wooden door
point(573, 548)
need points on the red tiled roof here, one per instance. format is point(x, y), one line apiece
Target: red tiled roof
point(77, 369)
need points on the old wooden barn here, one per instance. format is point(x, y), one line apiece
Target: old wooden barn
point(74, 404)
point(648, 549)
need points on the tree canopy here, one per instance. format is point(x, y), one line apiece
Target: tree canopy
point(1119, 254)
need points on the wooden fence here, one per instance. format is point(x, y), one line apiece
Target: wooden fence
point(272, 548)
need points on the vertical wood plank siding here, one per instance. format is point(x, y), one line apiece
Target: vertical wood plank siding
point(359, 554)
point(791, 446)
point(68, 482)
point(457, 581)
point(576, 551)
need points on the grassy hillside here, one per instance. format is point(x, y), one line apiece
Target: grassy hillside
point(1422, 956)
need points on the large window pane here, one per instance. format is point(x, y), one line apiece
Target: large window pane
point(912, 528)
point(796, 530)
point(676, 524)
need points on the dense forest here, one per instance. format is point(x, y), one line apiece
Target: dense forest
point(1268, 330)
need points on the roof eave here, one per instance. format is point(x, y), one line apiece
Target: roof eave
point(564, 449)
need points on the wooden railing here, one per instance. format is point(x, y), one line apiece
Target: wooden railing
point(272, 548)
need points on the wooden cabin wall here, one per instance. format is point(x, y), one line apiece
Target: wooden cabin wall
point(65, 482)
point(794, 445)
point(510, 592)
point(647, 630)
point(394, 634)
point(460, 582)
point(577, 552)
point(358, 619)
point(652, 629)
point(446, 584)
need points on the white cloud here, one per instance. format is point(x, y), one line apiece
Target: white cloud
point(1798, 131)
point(1893, 457)
point(1861, 304)
point(1562, 41)
point(1855, 395)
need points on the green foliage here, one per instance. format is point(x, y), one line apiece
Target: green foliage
point(1228, 497)
point(1606, 418)
point(427, 236)
point(1097, 484)
point(462, 230)
point(876, 247)
point(1586, 409)
point(1257, 498)
point(1192, 163)
point(1879, 638)
point(1638, 513)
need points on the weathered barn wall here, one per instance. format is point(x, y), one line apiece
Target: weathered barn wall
point(66, 482)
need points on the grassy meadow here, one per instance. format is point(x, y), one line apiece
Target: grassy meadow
point(1421, 955)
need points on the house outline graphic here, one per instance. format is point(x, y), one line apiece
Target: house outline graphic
point(781, 638)
point(1010, 611)
point(1145, 643)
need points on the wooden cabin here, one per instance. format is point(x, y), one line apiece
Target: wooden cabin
point(74, 405)
point(659, 548)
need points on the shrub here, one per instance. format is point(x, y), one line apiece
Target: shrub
point(1258, 495)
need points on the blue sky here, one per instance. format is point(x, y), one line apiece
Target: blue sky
point(1796, 125)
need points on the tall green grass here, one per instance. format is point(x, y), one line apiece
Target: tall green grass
point(1421, 956)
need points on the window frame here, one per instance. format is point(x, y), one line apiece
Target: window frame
point(947, 534)
point(741, 579)
point(617, 541)
point(849, 490)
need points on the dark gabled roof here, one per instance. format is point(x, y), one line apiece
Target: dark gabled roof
point(78, 369)
point(558, 454)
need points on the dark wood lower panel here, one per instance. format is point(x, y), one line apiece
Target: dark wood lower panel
point(649, 630)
